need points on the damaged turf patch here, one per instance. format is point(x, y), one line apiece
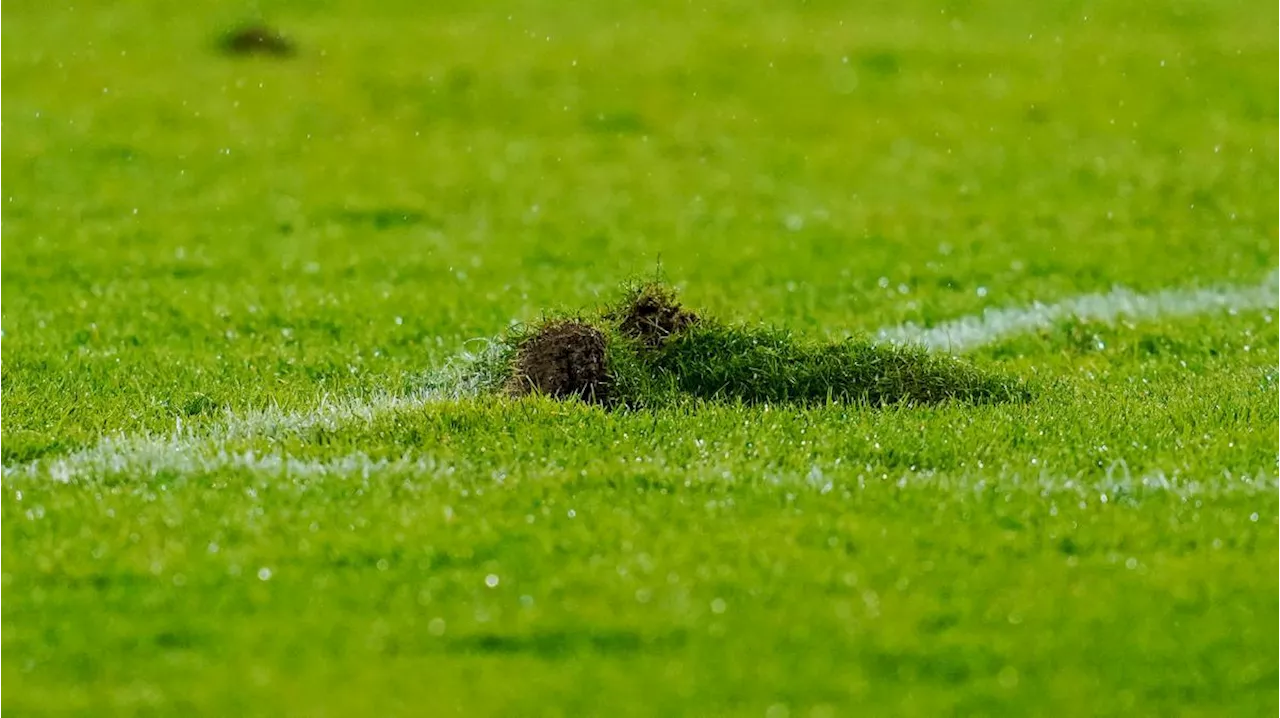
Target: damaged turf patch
point(766, 365)
point(651, 315)
point(562, 359)
point(648, 350)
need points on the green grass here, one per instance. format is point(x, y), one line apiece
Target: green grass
point(197, 239)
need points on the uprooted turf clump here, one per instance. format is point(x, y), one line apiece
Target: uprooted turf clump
point(651, 315)
point(648, 350)
point(562, 359)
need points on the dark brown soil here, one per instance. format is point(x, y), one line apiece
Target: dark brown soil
point(564, 359)
point(257, 40)
point(653, 316)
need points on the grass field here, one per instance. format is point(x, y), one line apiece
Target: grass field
point(244, 473)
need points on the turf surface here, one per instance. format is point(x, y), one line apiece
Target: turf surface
point(227, 243)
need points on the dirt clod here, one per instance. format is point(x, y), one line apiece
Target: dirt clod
point(257, 40)
point(653, 316)
point(562, 360)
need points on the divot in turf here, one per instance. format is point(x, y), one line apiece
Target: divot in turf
point(649, 350)
point(562, 359)
point(651, 315)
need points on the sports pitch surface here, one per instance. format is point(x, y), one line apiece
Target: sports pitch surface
point(245, 470)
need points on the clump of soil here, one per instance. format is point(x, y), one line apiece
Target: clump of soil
point(257, 40)
point(562, 360)
point(653, 316)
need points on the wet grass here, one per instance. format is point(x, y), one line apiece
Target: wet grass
point(189, 232)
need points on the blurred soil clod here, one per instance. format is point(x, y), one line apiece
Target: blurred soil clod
point(257, 39)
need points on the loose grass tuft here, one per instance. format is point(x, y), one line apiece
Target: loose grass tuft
point(648, 350)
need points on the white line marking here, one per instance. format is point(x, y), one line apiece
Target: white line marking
point(186, 450)
point(185, 453)
point(1117, 483)
point(180, 459)
point(969, 333)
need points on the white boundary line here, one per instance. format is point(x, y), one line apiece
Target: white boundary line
point(1117, 484)
point(969, 333)
point(186, 451)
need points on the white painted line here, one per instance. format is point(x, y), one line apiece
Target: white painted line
point(969, 333)
point(1116, 483)
point(186, 450)
point(160, 459)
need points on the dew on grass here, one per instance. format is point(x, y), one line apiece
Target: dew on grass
point(264, 574)
point(491, 580)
